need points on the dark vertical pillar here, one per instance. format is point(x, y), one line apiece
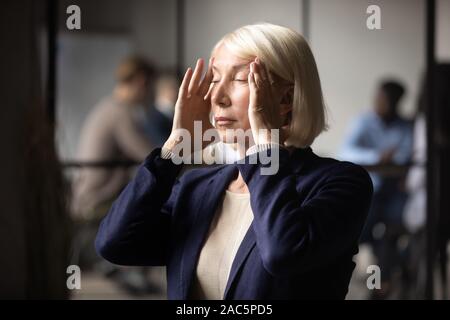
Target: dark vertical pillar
point(432, 209)
point(52, 25)
point(34, 228)
point(180, 36)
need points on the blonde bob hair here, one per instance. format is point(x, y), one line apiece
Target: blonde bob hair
point(287, 55)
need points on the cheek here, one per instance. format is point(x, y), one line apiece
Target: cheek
point(240, 100)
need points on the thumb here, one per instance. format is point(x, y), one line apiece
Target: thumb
point(253, 92)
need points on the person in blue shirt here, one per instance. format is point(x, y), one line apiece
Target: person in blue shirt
point(157, 118)
point(382, 136)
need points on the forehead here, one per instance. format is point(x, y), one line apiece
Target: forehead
point(224, 59)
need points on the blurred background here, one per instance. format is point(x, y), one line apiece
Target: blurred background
point(88, 90)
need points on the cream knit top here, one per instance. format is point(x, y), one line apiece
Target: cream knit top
point(227, 230)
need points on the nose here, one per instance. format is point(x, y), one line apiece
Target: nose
point(220, 96)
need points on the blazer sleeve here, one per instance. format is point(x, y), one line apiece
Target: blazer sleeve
point(294, 237)
point(136, 229)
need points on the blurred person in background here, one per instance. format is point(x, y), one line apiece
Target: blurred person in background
point(158, 119)
point(111, 132)
point(378, 137)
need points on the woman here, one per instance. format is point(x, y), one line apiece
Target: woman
point(229, 231)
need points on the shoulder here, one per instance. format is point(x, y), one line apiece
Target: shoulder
point(351, 171)
point(326, 169)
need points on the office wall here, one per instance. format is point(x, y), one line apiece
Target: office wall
point(443, 31)
point(153, 30)
point(85, 76)
point(208, 20)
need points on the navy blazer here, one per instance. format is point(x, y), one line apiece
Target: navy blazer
point(307, 221)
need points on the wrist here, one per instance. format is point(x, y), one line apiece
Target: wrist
point(267, 136)
point(263, 147)
point(171, 143)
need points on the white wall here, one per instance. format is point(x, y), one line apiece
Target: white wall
point(208, 20)
point(443, 31)
point(86, 66)
point(153, 26)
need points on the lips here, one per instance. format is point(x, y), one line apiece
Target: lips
point(222, 119)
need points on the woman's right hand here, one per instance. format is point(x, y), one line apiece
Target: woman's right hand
point(193, 104)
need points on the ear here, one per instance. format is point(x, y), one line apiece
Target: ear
point(287, 100)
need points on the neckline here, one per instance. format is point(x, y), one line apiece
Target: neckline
point(237, 194)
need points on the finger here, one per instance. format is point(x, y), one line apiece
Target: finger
point(252, 85)
point(193, 86)
point(185, 83)
point(262, 69)
point(251, 77)
point(205, 84)
point(208, 94)
point(257, 75)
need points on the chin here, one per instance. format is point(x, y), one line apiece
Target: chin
point(233, 137)
point(226, 138)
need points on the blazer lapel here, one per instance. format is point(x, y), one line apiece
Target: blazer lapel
point(213, 190)
point(297, 161)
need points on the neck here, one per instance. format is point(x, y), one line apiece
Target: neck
point(239, 149)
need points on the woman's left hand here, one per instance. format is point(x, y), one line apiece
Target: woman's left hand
point(264, 105)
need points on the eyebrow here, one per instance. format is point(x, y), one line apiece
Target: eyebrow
point(235, 67)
